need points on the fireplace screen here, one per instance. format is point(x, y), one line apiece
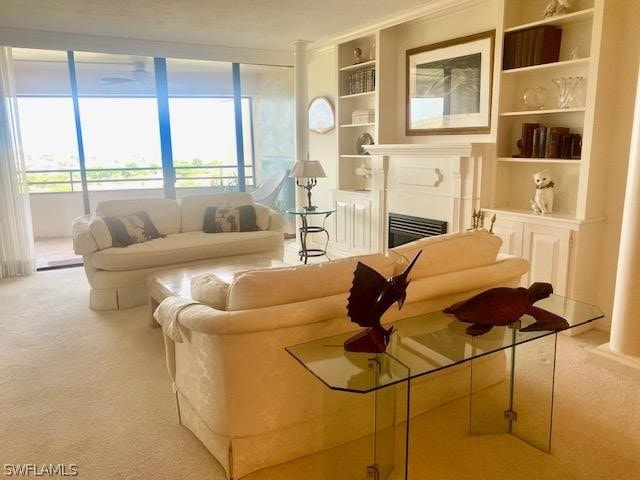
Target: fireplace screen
point(405, 228)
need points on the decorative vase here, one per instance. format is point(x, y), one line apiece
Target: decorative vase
point(566, 87)
point(535, 98)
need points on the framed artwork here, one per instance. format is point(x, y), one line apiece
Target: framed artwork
point(321, 115)
point(449, 86)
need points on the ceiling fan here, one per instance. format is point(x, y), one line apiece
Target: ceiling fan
point(138, 74)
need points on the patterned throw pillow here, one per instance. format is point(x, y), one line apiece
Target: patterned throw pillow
point(129, 229)
point(230, 219)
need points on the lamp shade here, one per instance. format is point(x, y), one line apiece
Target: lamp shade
point(307, 169)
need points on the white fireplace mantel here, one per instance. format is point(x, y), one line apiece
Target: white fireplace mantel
point(421, 149)
point(439, 181)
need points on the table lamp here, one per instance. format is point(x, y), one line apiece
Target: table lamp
point(310, 170)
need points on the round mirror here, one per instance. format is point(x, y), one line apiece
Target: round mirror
point(321, 116)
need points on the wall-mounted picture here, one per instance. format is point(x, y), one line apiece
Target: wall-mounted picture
point(321, 115)
point(449, 86)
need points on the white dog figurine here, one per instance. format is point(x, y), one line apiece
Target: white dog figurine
point(542, 202)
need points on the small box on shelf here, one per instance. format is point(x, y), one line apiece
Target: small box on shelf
point(366, 116)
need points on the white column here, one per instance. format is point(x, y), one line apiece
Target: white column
point(300, 101)
point(623, 350)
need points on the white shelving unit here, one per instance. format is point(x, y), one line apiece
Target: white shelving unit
point(580, 29)
point(355, 202)
point(348, 157)
point(561, 247)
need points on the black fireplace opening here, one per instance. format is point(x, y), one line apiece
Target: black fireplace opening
point(405, 228)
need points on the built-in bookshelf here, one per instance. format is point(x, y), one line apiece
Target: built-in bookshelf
point(561, 246)
point(573, 58)
point(357, 107)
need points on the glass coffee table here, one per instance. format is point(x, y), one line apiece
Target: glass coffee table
point(518, 401)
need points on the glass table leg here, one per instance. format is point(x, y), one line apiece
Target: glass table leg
point(490, 385)
point(519, 398)
point(532, 398)
point(390, 424)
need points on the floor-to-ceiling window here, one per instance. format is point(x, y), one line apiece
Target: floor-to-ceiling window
point(119, 120)
point(273, 127)
point(203, 129)
point(91, 130)
point(51, 151)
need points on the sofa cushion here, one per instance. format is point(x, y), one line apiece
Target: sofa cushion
point(278, 286)
point(185, 247)
point(230, 219)
point(193, 207)
point(126, 230)
point(211, 290)
point(449, 253)
point(163, 212)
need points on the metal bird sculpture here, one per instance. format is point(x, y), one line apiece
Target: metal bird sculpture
point(503, 306)
point(370, 296)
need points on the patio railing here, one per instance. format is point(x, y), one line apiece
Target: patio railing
point(68, 180)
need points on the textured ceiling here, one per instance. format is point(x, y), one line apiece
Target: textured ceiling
point(271, 24)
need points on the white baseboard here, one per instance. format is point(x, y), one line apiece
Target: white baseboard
point(605, 357)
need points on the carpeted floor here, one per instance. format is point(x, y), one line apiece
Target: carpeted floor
point(91, 389)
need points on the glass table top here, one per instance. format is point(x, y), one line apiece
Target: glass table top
point(317, 211)
point(424, 344)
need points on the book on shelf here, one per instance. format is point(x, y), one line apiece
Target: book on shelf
point(576, 147)
point(526, 140)
point(361, 81)
point(509, 51)
point(547, 45)
point(571, 146)
point(555, 141)
point(532, 46)
point(539, 142)
point(517, 62)
point(524, 55)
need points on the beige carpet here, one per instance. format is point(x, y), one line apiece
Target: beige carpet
point(90, 388)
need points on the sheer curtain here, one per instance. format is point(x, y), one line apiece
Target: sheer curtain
point(16, 238)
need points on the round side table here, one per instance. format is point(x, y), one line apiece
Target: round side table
point(305, 229)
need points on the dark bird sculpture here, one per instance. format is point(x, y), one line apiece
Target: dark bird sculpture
point(370, 296)
point(503, 306)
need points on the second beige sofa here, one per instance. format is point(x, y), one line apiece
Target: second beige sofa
point(117, 275)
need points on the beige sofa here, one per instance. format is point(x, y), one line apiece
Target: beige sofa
point(117, 275)
point(249, 402)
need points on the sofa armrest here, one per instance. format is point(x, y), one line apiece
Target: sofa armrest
point(83, 241)
point(276, 221)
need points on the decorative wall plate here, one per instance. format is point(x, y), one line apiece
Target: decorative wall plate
point(364, 139)
point(321, 115)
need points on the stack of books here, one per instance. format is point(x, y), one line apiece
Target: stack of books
point(533, 46)
point(362, 81)
point(538, 141)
